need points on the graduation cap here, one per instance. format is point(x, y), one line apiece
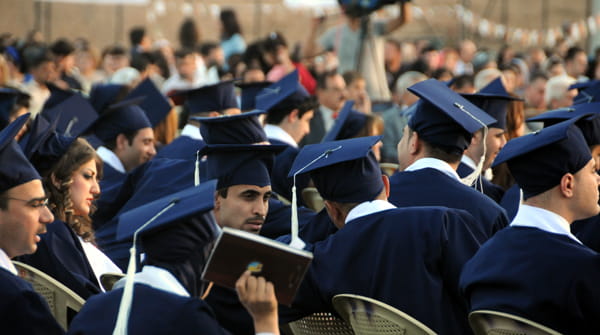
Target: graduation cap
point(242, 128)
point(209, 98)
point(104, 95)
point(15, 169)
point(74, 115)
point(343, 171)
point(249, 93)
point(582, 85)
point(287, 91)
point(588, 117)
point(539, 160)
point(444, 118)
point(168, 234)
point(494, 100)
point(57, 95)
point(241, 164)
point(348, 123)
point(8, 98)
point(588, 92)
point(155, 104)
point(121, 118)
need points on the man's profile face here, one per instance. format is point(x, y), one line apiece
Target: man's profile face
point(24, 218)
point(494, 142)
point(245, 207)
point(140, 150)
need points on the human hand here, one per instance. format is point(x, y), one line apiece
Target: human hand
point(258, 297)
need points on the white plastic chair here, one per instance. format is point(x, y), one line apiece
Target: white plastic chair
point(487, 322)
point(320, 323)
point(313, 199)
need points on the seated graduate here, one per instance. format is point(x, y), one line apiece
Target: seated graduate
point(177, 233)
point(290, 109)
point(410, 258)
point(536, 268)
point(23, 218)
point(70, 169)
point(13, 103)
point(487, 142)
point(429, 153)
point(206, 101)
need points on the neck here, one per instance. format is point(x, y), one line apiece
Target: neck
point(549, 202)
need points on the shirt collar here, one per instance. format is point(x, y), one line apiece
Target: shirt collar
point(434, 163)
point(327, 117)
point(530, 216)
point(468, 162)
point(276, 133)
point(191, 131)
point(157, 278)
point(6, 263)
point(110, 158)
point(368, 207)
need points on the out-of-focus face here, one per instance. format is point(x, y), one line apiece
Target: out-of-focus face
point(557, 69)
point(585, 197)
point(534, 94)
point(24, 219)
point(44, 72)
point(580, 64)
point(186, 66)
point(84, 188)
point(595, 149)
point(357, 90)
point(467, 51)
point(244, 208)
point(301, 127)
point(391, 54)
point(139, 151)
point(254, 76)
point(404, 154)
point(84, 61)
point(565, 101)
point(494, 142)
point(112, 63)
point(333, 95)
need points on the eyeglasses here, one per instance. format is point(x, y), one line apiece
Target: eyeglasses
point(35, 203)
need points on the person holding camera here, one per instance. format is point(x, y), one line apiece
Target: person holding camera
point(359, 42)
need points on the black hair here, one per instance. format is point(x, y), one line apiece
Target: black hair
point(189, 35)
point(136, 35)
point(284, 108)
point(322, 79)
point(230, 24)
point(112, 143)
point(62, 47)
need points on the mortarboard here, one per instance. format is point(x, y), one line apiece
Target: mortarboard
point(494, 100)
point(57, 95)
point(582, 85)
point(348, 123)
point(155, 103)
point(74, 115)
point(588, 92)
point(121, 118)
point(444, 118)
point(8, 98)
point(210, 98)
point(343, 171)
point(104, 95)
point(241, 164)
point(539, 160)
point(587, 115)
point(242, 128)
point(286, 92)
point(16, 169)
point(249, 93)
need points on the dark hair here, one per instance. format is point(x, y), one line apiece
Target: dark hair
point(322, 79)
point(141, 61)
point(222, 192)
point(189, 35)
point(440, 72)
point(3, 201)
point(351, 76)
point(35, 56)
point(274, 40)
point(230, 24)
point(463, 81)
point(284, 108)
point(537, 75)
point(253, 56)
point(112, 143)
point(444, 153)
point(136, 35)
point(572, 52)
point(207, 47)
point(182, 53)
point(62, 47)
point(115, 50)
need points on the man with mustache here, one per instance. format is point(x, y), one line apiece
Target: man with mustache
point(23, 217)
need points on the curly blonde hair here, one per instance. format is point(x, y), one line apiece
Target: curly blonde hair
point(58, 179)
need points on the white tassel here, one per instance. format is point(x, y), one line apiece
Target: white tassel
point(473, 176)
point(197, 170)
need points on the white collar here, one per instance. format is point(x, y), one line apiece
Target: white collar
point(157, 278)
point(99, 262)
point(6, 263)
point(328, 119)
point(434, 163)
point(468, 162)
point(277, 133)
point(368, 207)
point(191, 131)
point(530, 216)
point(110, 158)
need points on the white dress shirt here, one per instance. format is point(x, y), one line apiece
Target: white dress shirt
point(110, 158)
point(328, 119)
point(99, 262)
point(157, 278)
point(6, 263)
point(434, 163)
point(468, 162)
point(191, 131)
point(276, 133)
point(535, 217)
point(367, 208)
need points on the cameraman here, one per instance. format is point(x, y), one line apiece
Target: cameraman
point(359, 40)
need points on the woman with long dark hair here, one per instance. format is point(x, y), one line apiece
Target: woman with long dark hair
point(232, 41)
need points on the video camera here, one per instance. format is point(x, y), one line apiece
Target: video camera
point(360, 8)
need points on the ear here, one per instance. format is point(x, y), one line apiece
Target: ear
point(54, 181)
point(414, 144)
point(121, 141)
point(217, 202)
point(386, 185)
point(293, 116)
point(567, 184)
point(335, 214)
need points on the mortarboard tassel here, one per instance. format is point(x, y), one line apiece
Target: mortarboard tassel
point(127, 297)
point(197, 169)
point(472, 178)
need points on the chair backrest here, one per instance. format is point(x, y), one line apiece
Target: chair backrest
point(369, 316)
point(283, 199)
point(486, 322)
point(320, 323)
point(108, 280)
point(313, 199)
point(388, 168)
point(63, 302)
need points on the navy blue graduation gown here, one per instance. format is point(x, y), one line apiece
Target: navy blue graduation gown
point(61, 256)
point(431, 187)
point(23, 310)
point(279, 216)
point(511, 201)
point(490, 189)
point(280, 182)
point(229, 311)
point(110, 188)
point(153, 311)
point(409, 258)
point(588, 232)
point(183, 147)
point(318, 228)
point(545, 277)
